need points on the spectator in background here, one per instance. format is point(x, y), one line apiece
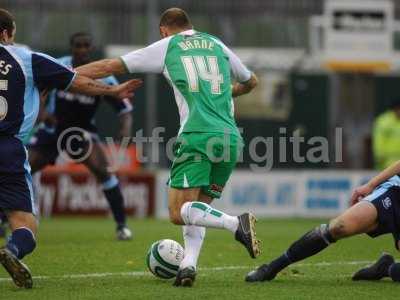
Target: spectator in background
point(386, 136)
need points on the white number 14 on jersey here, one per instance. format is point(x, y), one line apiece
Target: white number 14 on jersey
point(196, 67)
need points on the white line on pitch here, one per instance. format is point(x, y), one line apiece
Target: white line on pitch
point(213, 269)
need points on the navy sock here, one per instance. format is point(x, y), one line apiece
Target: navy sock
point(21, 242)
point(280, 263)
point(394, 272)
point(116, 202)
point(308, 245)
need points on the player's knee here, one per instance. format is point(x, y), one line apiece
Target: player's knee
point(175, 216)
point(175, 219)
point(338, 229)
point(110, 183)
point(19, 219)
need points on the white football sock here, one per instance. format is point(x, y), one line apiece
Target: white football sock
point(193, 237)
point(202, 214)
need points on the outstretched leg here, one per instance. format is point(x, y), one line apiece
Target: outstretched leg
point(360, 218)
point(97, 164)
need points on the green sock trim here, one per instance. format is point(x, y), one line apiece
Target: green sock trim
point(204, 207)
point(199, 205)
point(216, 213)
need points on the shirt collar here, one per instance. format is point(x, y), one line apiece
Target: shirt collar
point(188, 32)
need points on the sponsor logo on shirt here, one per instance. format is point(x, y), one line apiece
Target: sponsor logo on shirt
point(387, 203)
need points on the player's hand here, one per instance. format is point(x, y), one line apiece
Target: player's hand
point(126, 89)
point(361, 192)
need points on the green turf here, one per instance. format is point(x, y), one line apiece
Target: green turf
point(86, 246)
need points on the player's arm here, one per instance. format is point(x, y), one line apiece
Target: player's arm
point(122, 108)
point(103, 68)
point(246, 81)
point(239, 89)
point(146, 60)
point(84, 85)
point(42, 116)
point(125, 125)
point(367, 188)
point(48, 73)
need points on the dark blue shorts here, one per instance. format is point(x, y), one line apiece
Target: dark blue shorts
point(386, 199)
point(49, 142)
point(16, 191)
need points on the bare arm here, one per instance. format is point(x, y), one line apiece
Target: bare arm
point(102, 68)
point(239, 89)
point(125, 125)
point(85, 85)
point(367, 188)
point(390, 171)
point(42, 116)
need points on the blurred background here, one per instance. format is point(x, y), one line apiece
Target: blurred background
point(327, 69)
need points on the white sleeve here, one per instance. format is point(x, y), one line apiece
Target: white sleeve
point(147, 60)
point(240, 72)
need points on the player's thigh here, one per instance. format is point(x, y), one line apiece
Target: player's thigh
point(16, 199)
point(97, 162)
point(190, 172)
point(42, 150)
point(360, 218)
point(191, 167)
point(386, 200)
point(37, 159)
point(220, 174)
point(222, 169)
point(186, 180)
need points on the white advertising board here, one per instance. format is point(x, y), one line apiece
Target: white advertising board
point(359, 30)
point(280, 193)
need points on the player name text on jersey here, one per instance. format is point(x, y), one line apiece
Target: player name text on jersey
point(196, 44)
point(4, 68)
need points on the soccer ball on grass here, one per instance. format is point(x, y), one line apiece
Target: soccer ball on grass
point(164, 257)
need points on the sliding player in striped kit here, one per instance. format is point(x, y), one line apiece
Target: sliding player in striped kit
point(375, 211)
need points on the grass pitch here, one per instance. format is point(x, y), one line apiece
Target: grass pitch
point(79, 259)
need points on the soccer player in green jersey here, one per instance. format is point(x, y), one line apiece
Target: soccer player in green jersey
point(198, 66)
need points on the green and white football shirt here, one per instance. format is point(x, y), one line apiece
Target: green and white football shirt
point(198, 66)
